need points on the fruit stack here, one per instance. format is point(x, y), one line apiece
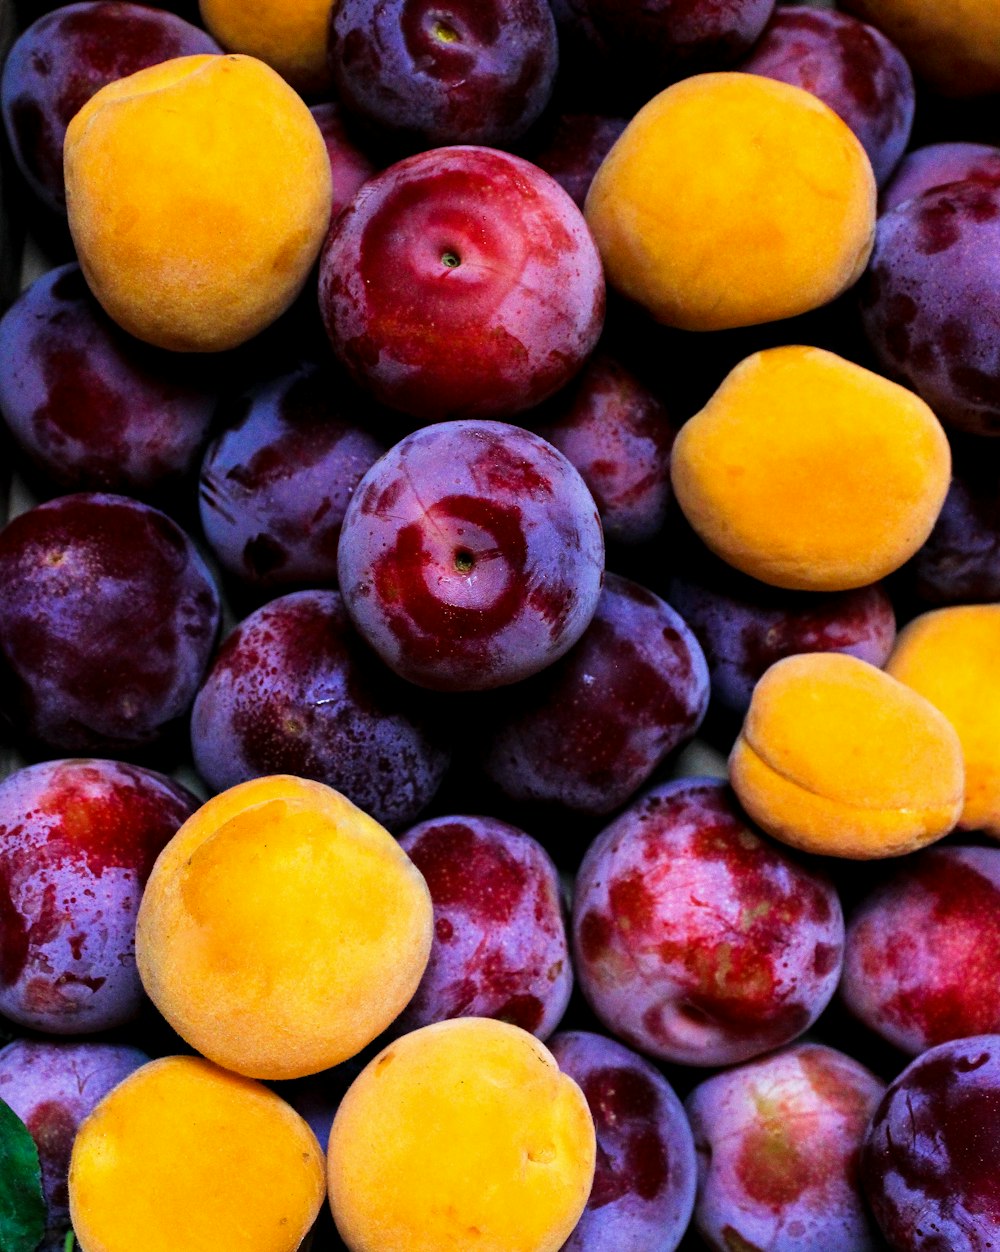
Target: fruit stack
point(426, 418)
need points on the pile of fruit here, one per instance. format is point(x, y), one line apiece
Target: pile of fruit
point(429, 416)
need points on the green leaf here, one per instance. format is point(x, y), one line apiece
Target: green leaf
point(22, 1205)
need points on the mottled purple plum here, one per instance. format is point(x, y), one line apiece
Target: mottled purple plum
point(919, 962)
point(93, 408)
point(500, 946)
point(471, 556)
point(644, 1183)
point(929, 1163)
point(350, 167)
point(462, 282)
point(295, 691)
point(62, 59)
point(778, 1143)
point(573, 149)
point(850, 66)
point(931, 301)
point(618, 435)
point(960, 562)
point(107, 622)
point(52, 1087)
point(276, 484)
point(77, 842)
point(744, 627)
point(696, 940)
point(937, 165)
point(465, 71)
point(590, 730)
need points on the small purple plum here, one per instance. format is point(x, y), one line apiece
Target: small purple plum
point(938, 164)
point(960, 562)
point(471, 556)
point(52, 1087)
point(644, 1184)
point(77, 842)
point(574, 148)
point(107, 622)
point(295, 691)
point(462, 282)
point(778, 1143)
point(590, 730)
point(695, 939)
point(500, 946)
point(350, 167)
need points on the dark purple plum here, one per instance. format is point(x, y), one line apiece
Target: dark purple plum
point(276, 484)
point(295, 691)
point(931, 301)
point(960, 562)
point(350, 167)
point(590, 730)
point(94, 409)
point(696, 940)
point(938, 164)
point(462, 282)
point(573, 149)
point(52, 1087)
point(778, 1143)
point(64, 58)
point(850, 66)
point(445, 71)
point(744, 627)
point(500, 946)
point(77, 842)
point(107, 622)
point(619, 436)
point(919, 963)
point(929, 1164)
point(644, 1183)
point(471, 556)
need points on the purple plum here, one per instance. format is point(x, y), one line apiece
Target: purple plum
point(574, 147)
point(350, 167)
point(960, 562)
point(938, 164)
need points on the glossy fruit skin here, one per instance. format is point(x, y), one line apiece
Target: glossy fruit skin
point(293, 690)
point(351, 168)
point(443, 310)
point(500, 947)
point(928, 1161)
point(644, 1184)
point(106, 625)
point(938, 164)
point(689, 981)
point(78, 839)
point(589, 731)
point(468, 71)
point(574, 148)
point(93, 408)
point(471, 556)
point(931, 305)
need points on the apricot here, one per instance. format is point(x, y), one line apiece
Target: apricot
point(952, 44)
point(462, 1135)
point(838, 758)
point(282, 929)
point(731, 200)
point(184, 1157)
point(288, 35)
point(810, 473)
point(952, 658)
point(198, 194)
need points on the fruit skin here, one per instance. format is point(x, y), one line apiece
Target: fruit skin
point(837, 758)
point(183, 1153)
point(778, 1142)
point(443, 309)
point(573, 148)
point(644, 1184)
point(349, 166)
point(471, 556)
point(198, 193)
point(267, 879)
point(288, 35)
point(808, 472)
point(694, 939)
point(938, 164)
point(798, 233)
point(960, 562)
point(463, 1135)
point(52, 1087)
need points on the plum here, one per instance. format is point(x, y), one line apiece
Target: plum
point(938, 164)
point(471, 556)
point(78, 839)
point(694, 938)
point(573, 148)
point(351, 168)
point(960, 562)
point(500, 946)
